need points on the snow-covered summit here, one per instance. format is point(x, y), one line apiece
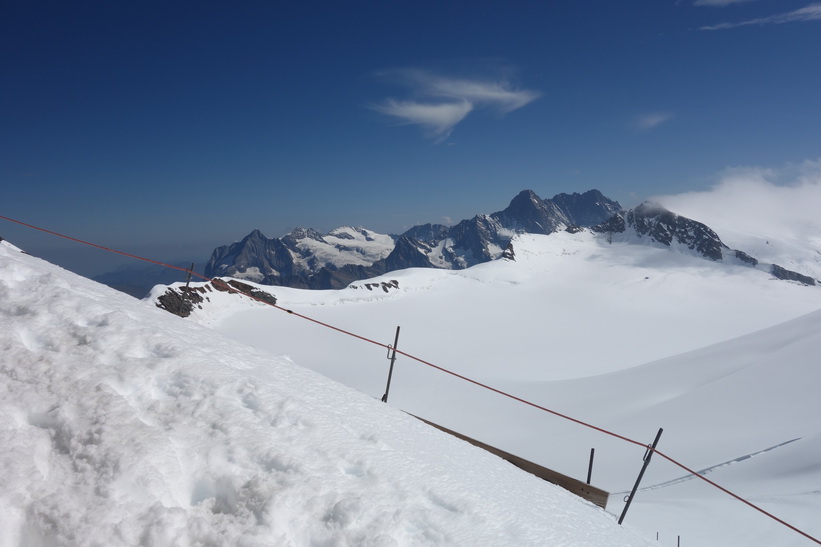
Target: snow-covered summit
point(305, 258)
point(299, 256)
point(121, 424)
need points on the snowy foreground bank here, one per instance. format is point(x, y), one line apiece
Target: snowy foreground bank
point(123, 425)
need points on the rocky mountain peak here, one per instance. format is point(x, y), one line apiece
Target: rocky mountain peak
point(255, 234)
point(524, 199)
point(657, 224)
point(299, 233)
point(307, 259)
point(586, 209)
point(528, 212)
point(652, 222)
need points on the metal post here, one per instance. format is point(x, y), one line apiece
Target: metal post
point(647, 456)
point(392, 357)
point(188, 278)
point(590, 465)
point(185, 291)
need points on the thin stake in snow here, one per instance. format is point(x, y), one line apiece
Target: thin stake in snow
point(186, 292)
point(188, 277)
point(647, 456)
point(392, 357)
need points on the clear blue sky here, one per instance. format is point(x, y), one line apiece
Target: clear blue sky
point(169, 128)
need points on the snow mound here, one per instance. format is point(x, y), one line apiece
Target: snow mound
point(121, 424)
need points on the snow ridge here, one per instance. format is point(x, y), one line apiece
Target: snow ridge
point(305, 258)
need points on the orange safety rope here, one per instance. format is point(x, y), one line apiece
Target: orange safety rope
point(441, 369)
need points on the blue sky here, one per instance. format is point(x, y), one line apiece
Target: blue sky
point(169, 128)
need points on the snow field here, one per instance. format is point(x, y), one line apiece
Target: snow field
point(570, 325)
point(123, 425)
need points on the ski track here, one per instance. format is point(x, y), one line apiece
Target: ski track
point(707, 470)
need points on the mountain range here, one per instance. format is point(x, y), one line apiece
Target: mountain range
point(308, 259)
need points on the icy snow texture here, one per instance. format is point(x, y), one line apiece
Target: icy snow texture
point(123, 425)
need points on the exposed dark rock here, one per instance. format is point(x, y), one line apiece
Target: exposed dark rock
point(509, 253)
point(747, 259)
point(386, 286)
point(181, 300)
point(431, 233)
point(253, 292)
point(788, 275)
point(587, 209)
point(472, 239)
point(665, 227)
point(408, 253)
point(614, 225)
point(662, 226)
point(179, 303)
point(271, 257)
point(529, 213)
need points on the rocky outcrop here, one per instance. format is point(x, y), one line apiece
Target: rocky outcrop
point(782, 273)
point(657, 225)
point(179, 301)
point(183, 299)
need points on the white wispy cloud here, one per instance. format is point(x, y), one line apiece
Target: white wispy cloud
point(812, 12)
point(437, 119)
point(646, 122)
point(440, 102)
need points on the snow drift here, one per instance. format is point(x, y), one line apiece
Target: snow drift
point(123, 425)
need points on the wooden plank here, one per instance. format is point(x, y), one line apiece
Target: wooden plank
point(592, 494)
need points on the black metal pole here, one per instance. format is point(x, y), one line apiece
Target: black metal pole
point(185, 291)
point(647, 456)
point(392, 357)
point(590, 465)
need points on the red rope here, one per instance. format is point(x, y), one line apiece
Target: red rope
point(439, 368)
point(736, 496)
point(97, 246)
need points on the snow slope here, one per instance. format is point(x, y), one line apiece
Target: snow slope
point(629, 337)
point(533, 319)
point(121, 424)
